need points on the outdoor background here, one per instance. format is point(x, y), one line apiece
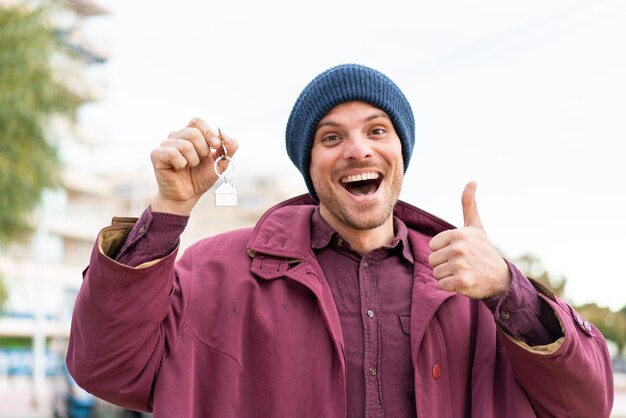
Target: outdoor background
point(527, 98)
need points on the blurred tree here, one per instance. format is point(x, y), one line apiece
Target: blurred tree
point(3, 294)
point(30, 93)
point(531, 266)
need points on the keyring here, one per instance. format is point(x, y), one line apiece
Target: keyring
point(225, 195)
point(230, 165)
point(224, 156)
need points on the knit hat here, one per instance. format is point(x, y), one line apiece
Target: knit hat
point(340, 84)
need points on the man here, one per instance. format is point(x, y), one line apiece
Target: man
point(346, 302)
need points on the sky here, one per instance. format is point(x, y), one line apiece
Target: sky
point(526, 98)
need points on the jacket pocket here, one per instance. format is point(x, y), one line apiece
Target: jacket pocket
point(409, 373)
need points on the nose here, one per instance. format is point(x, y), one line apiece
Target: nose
point(357, 147)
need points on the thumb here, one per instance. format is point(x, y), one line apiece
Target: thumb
point(470, 210)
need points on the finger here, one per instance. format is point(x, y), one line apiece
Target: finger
point(443, 270)
point(164, 158)
point(210, 135)
point(195, 137)
point(449, 284)
point(185, 148)
point(204, 128)
point(440, 240)
point(438, 257)
point(470, 209)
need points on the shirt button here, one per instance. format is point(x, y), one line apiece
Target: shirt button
point(340, 242)
point(505, 315)
point(142, 230)
point(436, 371)
point(373, 371)
point(587, 326)
point(365, 264)
point(370, 313)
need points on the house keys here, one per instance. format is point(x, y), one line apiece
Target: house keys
point(225, 194)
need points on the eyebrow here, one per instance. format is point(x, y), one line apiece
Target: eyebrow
point(367, 119)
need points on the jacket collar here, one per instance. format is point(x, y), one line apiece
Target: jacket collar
point(284, 231)
point(322, 235)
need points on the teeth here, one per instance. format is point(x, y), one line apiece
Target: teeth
point(360, 177)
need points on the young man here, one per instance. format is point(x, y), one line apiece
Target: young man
point(346, 302)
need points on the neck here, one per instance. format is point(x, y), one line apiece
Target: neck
point(362, 241)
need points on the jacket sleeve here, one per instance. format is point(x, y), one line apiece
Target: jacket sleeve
point(570, 377)
point(124, 322)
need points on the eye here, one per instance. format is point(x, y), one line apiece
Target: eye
point(331, 138)
point(377, 131)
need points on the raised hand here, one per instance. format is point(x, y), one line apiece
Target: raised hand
point(183, 166)
point(464, 260)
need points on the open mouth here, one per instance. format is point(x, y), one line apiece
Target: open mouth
point(363, 184)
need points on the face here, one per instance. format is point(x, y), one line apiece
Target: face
point(357, 166)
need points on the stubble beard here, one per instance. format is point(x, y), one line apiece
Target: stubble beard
point(367, 216)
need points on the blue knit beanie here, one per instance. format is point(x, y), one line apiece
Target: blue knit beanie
point(340, 84)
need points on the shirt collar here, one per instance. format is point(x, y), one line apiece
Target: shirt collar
point(322, 235)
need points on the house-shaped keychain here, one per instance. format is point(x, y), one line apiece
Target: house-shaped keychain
point(226, 195)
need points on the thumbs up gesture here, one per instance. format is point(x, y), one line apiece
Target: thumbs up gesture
point(464, 260)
